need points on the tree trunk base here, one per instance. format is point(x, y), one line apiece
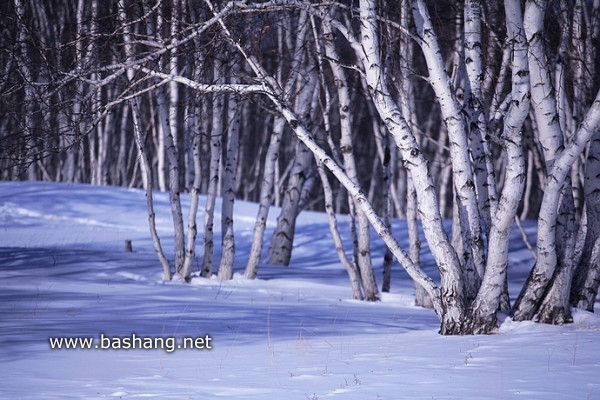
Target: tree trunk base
point(555, 315)
point(452, 327)
point(422, 298)
point(372, 297)
point(480, 323)
point(585, 304)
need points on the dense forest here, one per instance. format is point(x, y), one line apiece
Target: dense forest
point(482, 112)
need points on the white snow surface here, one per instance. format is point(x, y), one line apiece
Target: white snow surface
point(292, 333)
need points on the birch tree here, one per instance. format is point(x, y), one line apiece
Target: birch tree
point(464, 183)
point(265, 199)
point(487, 302)
point(280, 249)
point(551, 276)
point(216, 140)
point(587, 276)
point(363, 241)
point(143, 157)
point(272, 155)
point(228, 195)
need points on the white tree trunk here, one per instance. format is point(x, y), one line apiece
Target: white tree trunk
point(147, 176)
point(228, 190)
point(474, 104)
point(190, 248)
point(384, 152)
point(464, 182)
point(529, 300)
point(554, 307)
point(305, 136)
point(589, 287)
point(363, 250)
point(407, 98)
point(280, 250)
point(351, 269)
point(487, 303)
point(266, 195)
point(349, 264)
point(174, 191)
point(422, 298)
point(216, 135)
point(143, 158)
point(452, 291)
point(545, 107)
point(587, 276)
point(269, 174)
point(175, 6)
point(160, 140)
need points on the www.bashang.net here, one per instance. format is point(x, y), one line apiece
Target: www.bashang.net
point(169, 344)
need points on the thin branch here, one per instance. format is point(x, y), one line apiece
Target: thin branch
point(525, 238)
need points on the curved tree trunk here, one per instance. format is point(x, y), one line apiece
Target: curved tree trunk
point(464, 182)
point(422, 298)
point(554, 306)
point(280, 250)
point(483, 168)
point(266, 195)
point(452, 291)
point(268, 181)
point(143, 157)
point(483, 315)
point(147, 178)
point(587, 276)
point(274, 92)
point(549, 114)
point(190, 249)
point(528, 302)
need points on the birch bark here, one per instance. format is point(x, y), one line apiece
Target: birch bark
point(228, 189)
point(587, 276)
point(464, 183)
point(216, 135)
point(190, 248)
point(349, 264)
point(174, 190)
point(474, 104)
point(266, 195)
point(483, 316)
point(529, 300)
point(363, 250)
point(407, 97)
point(147, 177)
point(451, 296)
point(280, 249)
point(162, 163)
point(353, 273)
point(143, 158)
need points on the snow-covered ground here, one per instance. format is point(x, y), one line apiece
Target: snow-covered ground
point(293, 333)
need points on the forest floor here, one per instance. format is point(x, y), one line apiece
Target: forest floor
point(292, 333)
